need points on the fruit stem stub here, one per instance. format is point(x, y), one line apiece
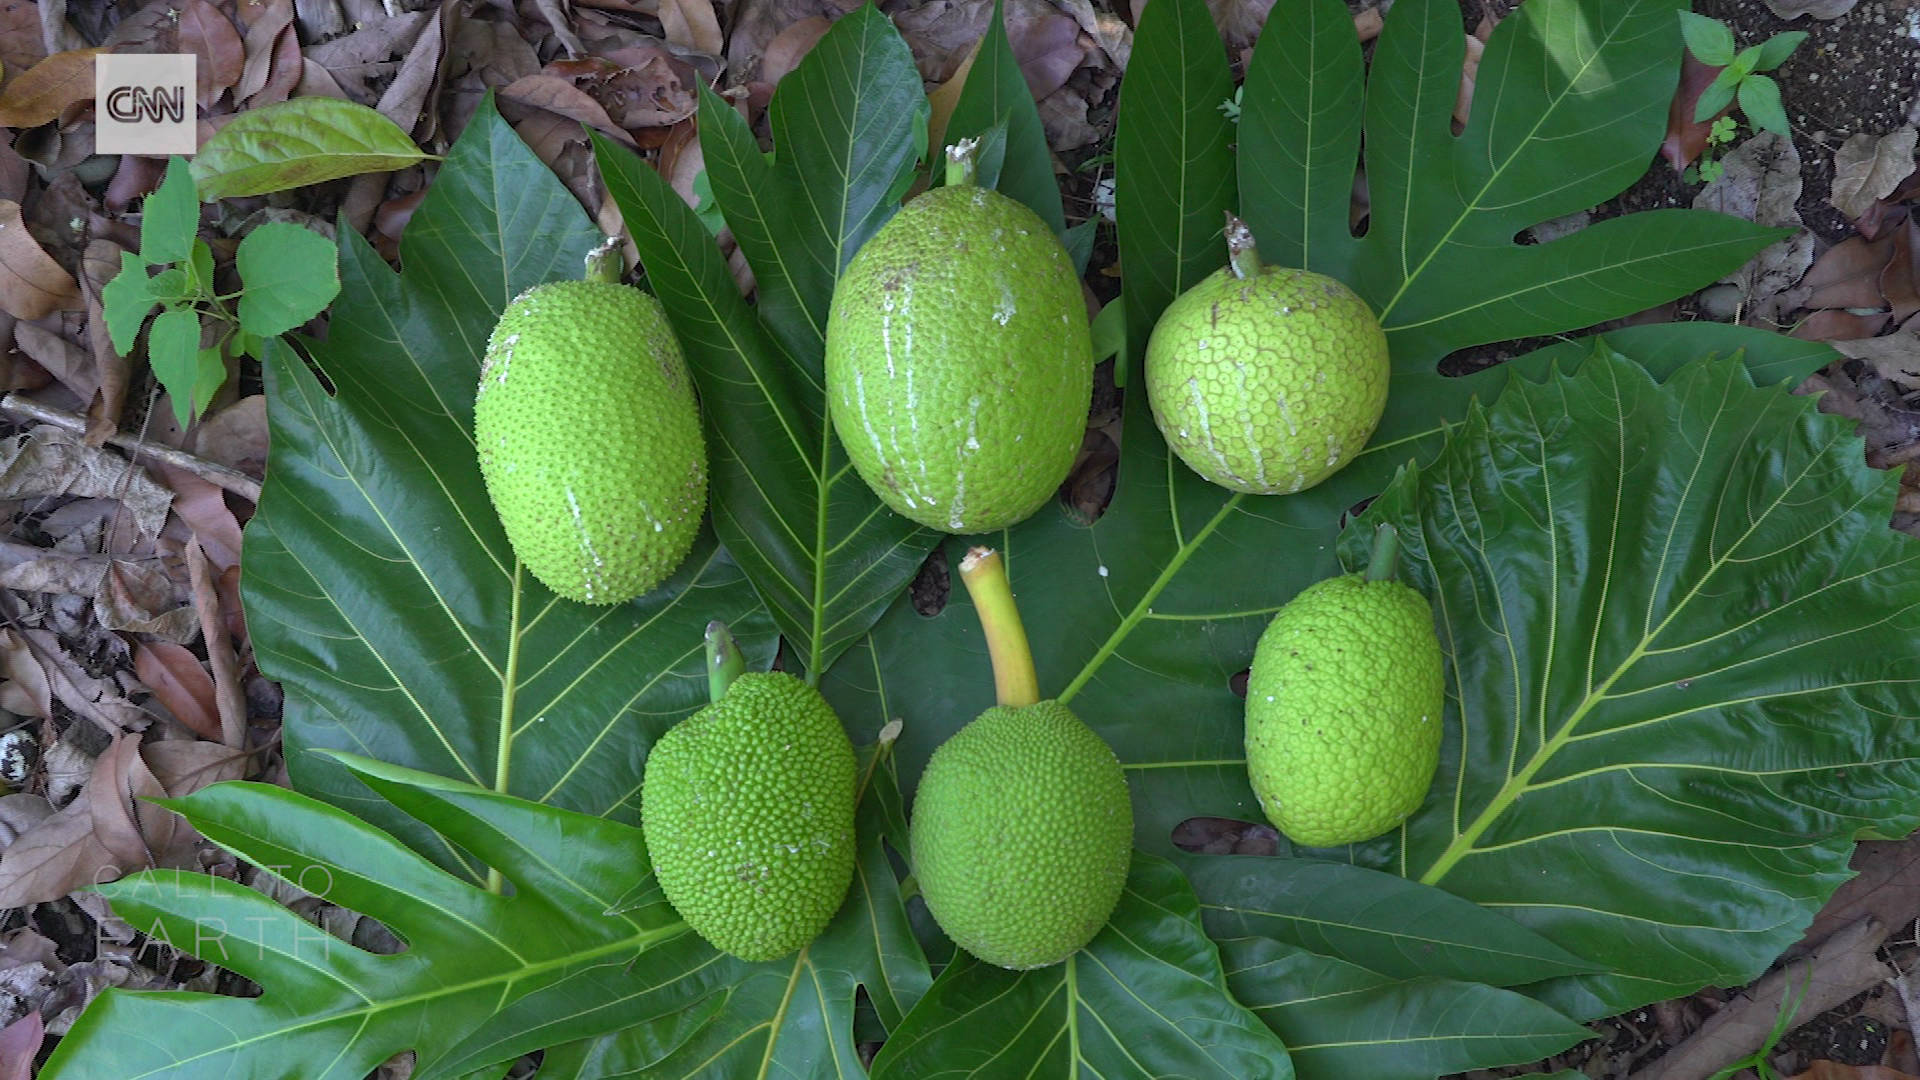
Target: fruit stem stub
point(724, 661)
point(1385, 555)
point(604, 262)
point(961, 167)
point(985, 575)
point(1242, 257)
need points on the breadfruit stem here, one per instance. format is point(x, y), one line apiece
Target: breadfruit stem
point(961, 167)
point(985, 575)
point(1242, 257)
point(604, 262)
point(1385, 555)
point(724, 662)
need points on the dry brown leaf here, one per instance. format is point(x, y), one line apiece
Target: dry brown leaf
point(71, 365)
point(235, 436)
point(1839, 324)
point(1761, 183)
point(406, 97)
point(691, 24)
point(21, 46)
point(96, 698)
point(1046, 44)
point(262, 37)
point(1894, 356)
point(201, 506)
point(1239, 20)
point(43, 91)
point(184, 766)
point(20, 812)
point(1687, 137)
point(1866, 169)
point(19, 1043)
point(32, 284)
point(945, 97)
point(180, 682)
point(26, 691)
point(98, 264)
point(1847, 275)
point(1886, 885)
point(1819, 9)
point(208, 34)
point(560, 96)
point(55, 857)
point(642, 86)
point(230, 701)
point(131, 833)
point(1470, 70)
point(792, 44)
point(48, 461)
point(142, 598)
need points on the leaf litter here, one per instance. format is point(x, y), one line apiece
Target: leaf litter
point(103, 547)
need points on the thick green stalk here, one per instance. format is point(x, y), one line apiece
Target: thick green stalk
point(604, 262)
point(1385, 555)
point(985, 575)
point(724, 662)
point(961, 168)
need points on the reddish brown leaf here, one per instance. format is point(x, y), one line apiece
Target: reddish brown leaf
point(1838, 324)
point(561, 96)
point(229, 698)
point(55, 857)
point(181, 683)
point(1866, 169)
point(208, 34)
point(43, 91)
point(792, 44)
point(20, 43)
point(1847, 275)
point(1687, 137)
point(1047, 47)
point(1469, 71)
point(31, 283)
point(130, 833)
point(19, 1042)
point(262, 34)
point(691, 24)
point(235, 436)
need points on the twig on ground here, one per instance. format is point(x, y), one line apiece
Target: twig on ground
point(1844, 965)
point(229, 479)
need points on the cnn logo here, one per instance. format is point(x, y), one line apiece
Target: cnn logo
point(143, 103)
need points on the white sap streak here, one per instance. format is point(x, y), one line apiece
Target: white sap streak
point(594, 561)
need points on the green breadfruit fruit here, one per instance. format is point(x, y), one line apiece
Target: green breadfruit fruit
point(1021, 835)
point(960, 361)
point(1344, 710)
point(1267, 383)
point(589, 439)
point(747, 809)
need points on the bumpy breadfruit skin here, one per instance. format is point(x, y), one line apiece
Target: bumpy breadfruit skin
point(589, 439)
point(1267, 384)
point(1344, 710)
point(747, 809)
point(960, 361)
point(1021, 835)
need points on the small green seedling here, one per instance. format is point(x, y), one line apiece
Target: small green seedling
point(1711, 42)
point(288, 275)
point(1719, 138)
point(1760, 1060)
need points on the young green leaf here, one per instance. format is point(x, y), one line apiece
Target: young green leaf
point(287, 275)
point(1709, 40)
point(1760, 103)
point(1330, 1014)
point(990, 155)
point(307, 140)
point(1718, 95)
point(170, 286)
point(1078, 240)
point(125, 302)
point(170, 217)
point(200, 268)
point(173, 351)
point(1110, 330)
point(1775, 50)
point(210, 374)
point(1743, 61)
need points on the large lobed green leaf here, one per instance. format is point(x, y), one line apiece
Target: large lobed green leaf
point(1676, 619)
point(379, 587)
point(332, 1011)
point(849, 124)
point(1145, 998)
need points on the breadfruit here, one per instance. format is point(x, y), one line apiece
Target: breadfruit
point(1021, 835)
point(1267, 383)
point(959, 361)
point(1344, 708)
point(588, 432)
point(747, 809)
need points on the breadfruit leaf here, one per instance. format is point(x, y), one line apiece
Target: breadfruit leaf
point(379, 587)
point(849, 125)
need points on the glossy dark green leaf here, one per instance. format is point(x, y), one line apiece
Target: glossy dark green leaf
point(995, 90)
point(711, 1016)
point(330, 1010)
point(1666, 608)
point(1341, 1021)
point(821, 550)
point(380, 590)
point(1385, 923)
point(1173, 160)
point(1146, 998)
